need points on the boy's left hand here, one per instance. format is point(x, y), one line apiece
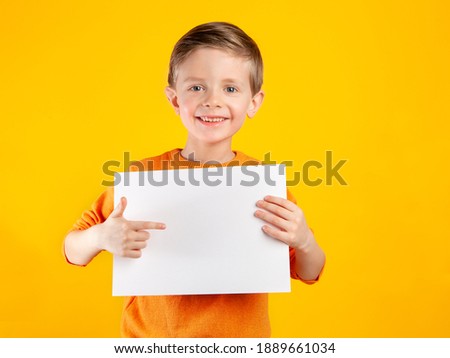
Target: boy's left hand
point(289, 224)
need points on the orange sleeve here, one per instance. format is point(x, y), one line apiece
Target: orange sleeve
point(292, 257)
point(99, 212)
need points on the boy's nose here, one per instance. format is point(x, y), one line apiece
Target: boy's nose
point(212, 99)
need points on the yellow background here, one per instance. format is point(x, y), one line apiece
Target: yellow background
point(82, 81)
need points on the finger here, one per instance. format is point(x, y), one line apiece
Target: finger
point(275, 209)
point(277, 234)
point(136, 245)
point(289, 205)
point(272, 219)
point(134, 254)
point(146, 225)
point(120, 208)
point(139, 235)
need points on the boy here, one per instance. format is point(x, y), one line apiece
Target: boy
point(215, 79)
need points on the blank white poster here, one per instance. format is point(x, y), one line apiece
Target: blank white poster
point(213, 243)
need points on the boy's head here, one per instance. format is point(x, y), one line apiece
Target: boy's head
point(222, 36)
point(215, 82)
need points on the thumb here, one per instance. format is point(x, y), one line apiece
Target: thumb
point(120, 208)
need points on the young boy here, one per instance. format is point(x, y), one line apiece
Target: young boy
point(215, 80)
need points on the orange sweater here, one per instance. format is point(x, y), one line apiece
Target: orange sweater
point(232, 315)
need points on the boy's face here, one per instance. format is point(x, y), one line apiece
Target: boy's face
point(213, 96)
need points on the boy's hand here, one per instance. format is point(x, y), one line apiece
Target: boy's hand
point(289, 224)
point(124, 237)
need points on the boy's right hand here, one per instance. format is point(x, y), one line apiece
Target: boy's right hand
point(123, 237)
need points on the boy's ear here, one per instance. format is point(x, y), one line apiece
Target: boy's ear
point(173, 99)
point(255, 104)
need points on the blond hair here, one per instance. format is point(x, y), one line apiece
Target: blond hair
point(219, 35)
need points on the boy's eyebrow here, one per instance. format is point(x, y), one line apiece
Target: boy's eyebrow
point(193, 79)
point(233, 80)
point(199, 79)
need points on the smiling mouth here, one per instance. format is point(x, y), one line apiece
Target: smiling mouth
point(211, 119)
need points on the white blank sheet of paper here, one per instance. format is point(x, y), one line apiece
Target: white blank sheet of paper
point(213, 243)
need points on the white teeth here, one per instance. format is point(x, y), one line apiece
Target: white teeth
point(208, 119)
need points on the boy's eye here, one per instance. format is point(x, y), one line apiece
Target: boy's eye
point(196, 88)
point(231, 89)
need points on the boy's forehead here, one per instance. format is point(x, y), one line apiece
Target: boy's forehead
point(212, 51)
point(205, 61)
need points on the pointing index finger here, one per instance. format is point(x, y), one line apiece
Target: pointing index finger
point(147, 225)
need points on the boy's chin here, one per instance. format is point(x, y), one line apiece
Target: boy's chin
point(212, 140)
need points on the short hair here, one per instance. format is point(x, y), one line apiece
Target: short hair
point(219, 35)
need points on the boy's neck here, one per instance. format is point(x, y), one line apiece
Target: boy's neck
point(203, 153)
